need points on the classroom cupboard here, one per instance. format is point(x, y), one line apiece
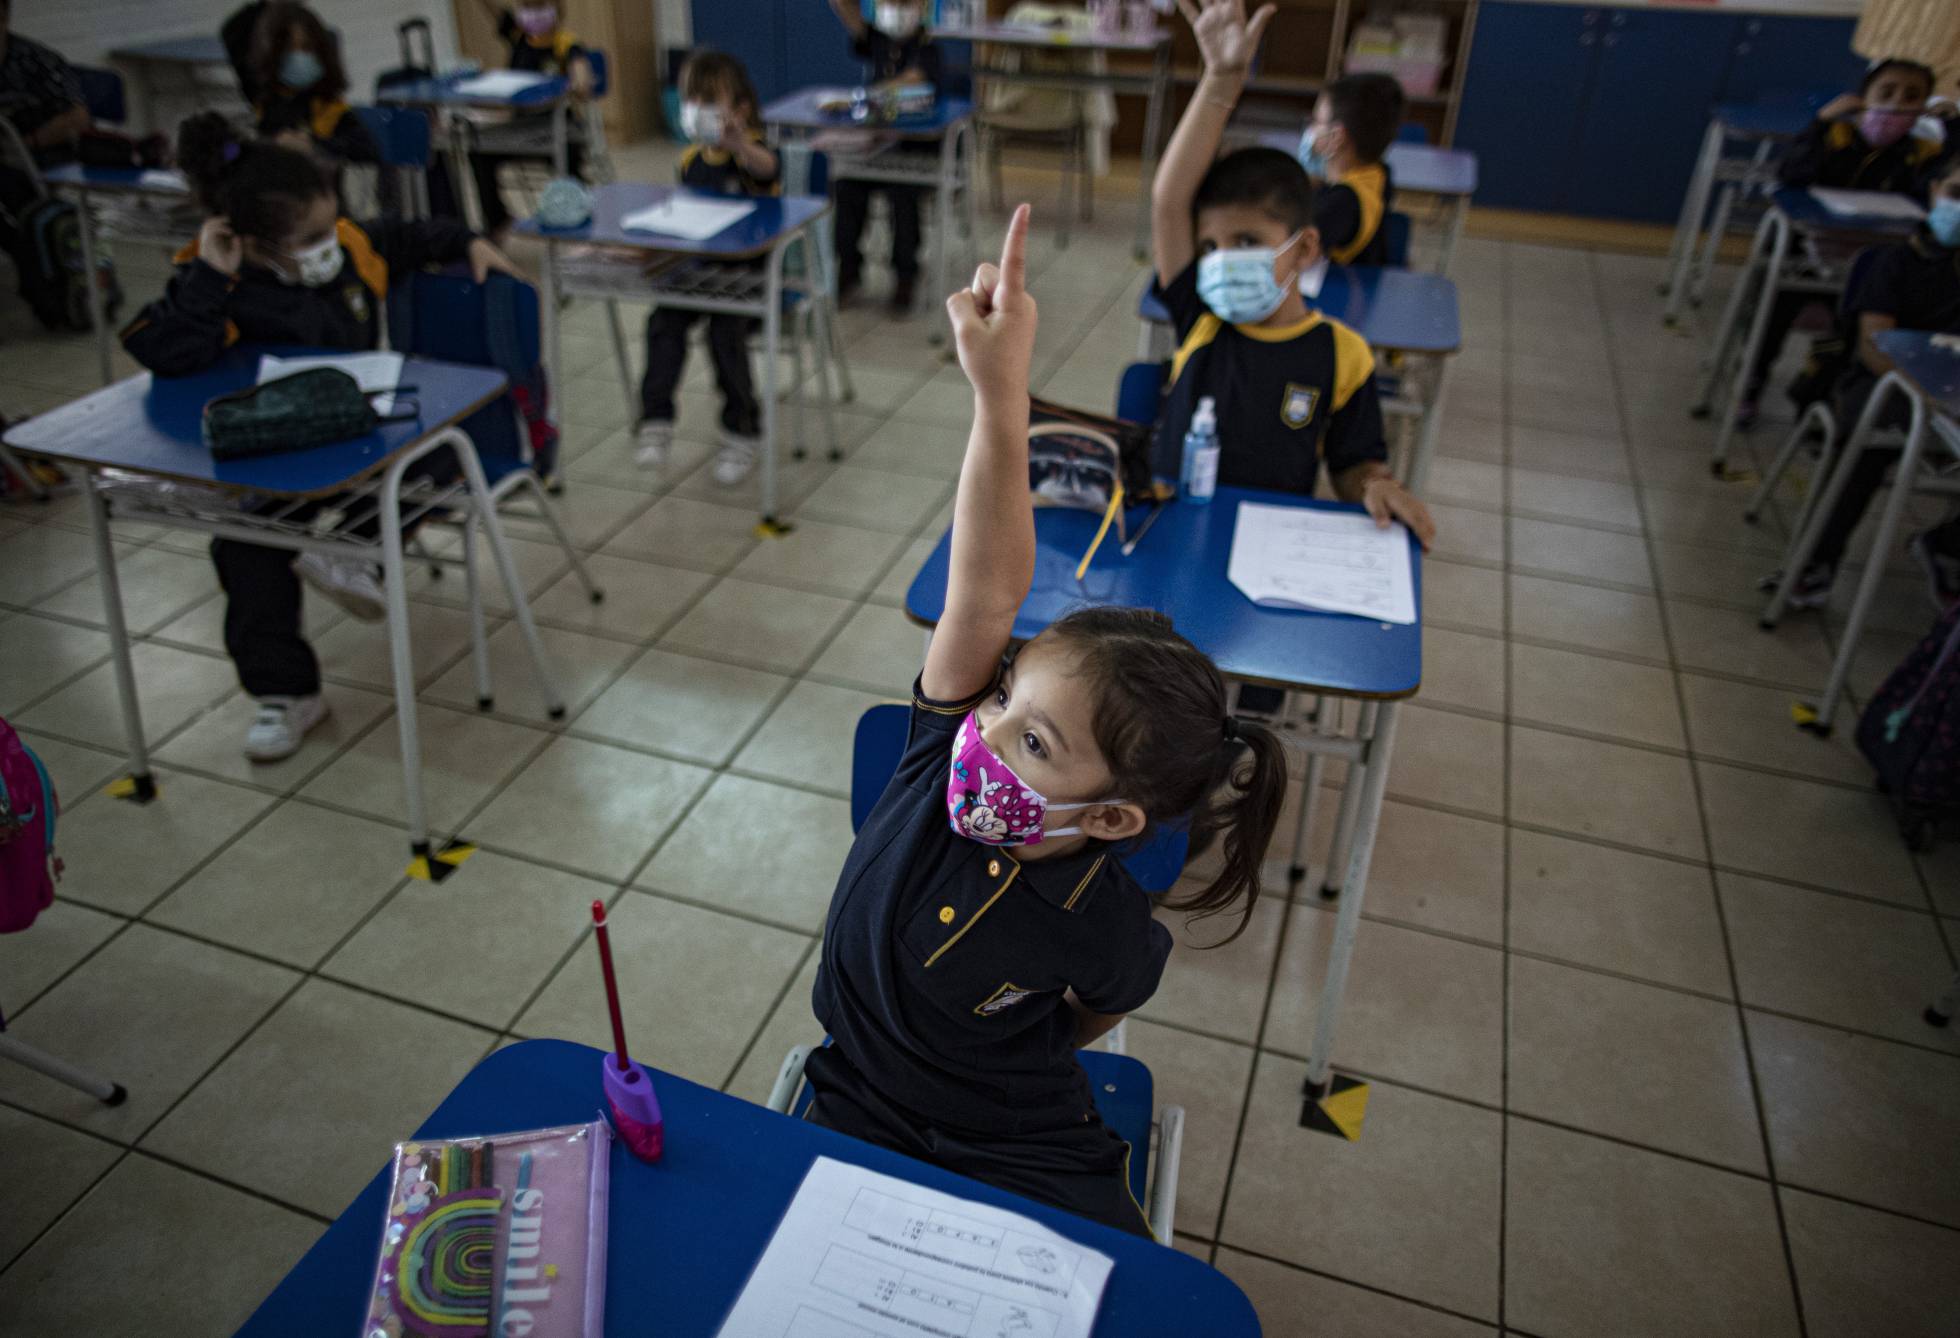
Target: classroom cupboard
point(1599, 110)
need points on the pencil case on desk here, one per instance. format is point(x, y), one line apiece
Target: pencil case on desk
point(293, 413)
point(498, 1234)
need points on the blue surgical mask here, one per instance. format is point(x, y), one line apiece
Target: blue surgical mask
point(300, 69)
point(1943, 221)
point(1238, 284)
point(1309, 156)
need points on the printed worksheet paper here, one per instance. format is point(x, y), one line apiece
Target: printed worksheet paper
point(864, 1255)
point(1298, 557)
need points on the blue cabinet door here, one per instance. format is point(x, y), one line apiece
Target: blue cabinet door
point(1523, 98)
point(752, 32)
point(816, 49)
point(1786, 59)
point(1659, 73)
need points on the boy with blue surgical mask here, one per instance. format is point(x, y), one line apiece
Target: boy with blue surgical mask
point(725, 155)
point(1908, 285)
point(1354, 122)
point(1230, 240)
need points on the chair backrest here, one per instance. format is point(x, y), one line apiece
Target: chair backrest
point(102, 91)
point(400, 133)
point(1854, 277)
point(1395, 239)
point(601, 71)
point(1412, 132)
point(879, 744)
point(1140, 392)
point(493, 324)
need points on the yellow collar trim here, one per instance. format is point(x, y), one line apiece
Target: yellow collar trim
point(1279, 334)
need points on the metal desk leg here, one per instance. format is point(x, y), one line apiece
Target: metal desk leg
point(1153, 128)
point(401, 656)
point(1348, 919)
point(942, 208)
point(1432, 417)
point(479, 643)
point(1888, 529)
point(1296, 870)
point(626, 386)
point(1687, 231)
point(95, 316)
point(772, 346)
point(1758, 331)
point(1797, 556)
point(141, 786)
point(548, 299)
point(1352, 791)
point(1713, 361)
point(1459, 211)
point(483, 508)
point(561, 149)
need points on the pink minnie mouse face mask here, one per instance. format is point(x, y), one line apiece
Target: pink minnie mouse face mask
point(987, 802)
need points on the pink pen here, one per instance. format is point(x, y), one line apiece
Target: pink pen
point(635, 1109)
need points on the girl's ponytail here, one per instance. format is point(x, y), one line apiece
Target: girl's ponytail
point(1244, 807)
point(259, 187)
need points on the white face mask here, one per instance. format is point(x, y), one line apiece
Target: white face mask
point(318, 265)
point(700, 123)
point(897, 22)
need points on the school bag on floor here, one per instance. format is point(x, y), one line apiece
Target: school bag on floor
point(53, 280)
point(1911, 733)
point(28, 866)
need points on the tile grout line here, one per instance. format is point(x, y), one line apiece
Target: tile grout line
point(1504, 963)
point(1715, 891)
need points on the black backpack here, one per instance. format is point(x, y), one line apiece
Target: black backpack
point(48, 258)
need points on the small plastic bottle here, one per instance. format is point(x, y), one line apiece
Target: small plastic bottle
point(1200, 470)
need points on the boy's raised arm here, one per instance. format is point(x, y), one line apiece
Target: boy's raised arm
point(847, 14)
point(993, 514)
point(1227, 42)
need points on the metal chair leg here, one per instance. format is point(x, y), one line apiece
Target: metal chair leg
point(479, 642)
point(1818, 417)
point(530, 482)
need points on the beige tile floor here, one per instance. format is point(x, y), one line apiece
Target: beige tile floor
point(1637, 990)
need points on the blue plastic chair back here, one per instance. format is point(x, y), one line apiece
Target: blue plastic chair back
point(493, 324)
point(1854, 277)
point(400, 133)
point(601, 71)
point(1412, 132)
point(880, 743)
point(102, 92)
point(1395, 234)
point(1140, 392)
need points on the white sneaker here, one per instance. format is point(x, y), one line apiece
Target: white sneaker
point(736, 459)
point(653, 441)
point(282, 723)
point(352, 585)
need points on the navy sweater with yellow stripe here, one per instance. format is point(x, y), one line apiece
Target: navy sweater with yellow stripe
point(204, 312)
point(1833, 153)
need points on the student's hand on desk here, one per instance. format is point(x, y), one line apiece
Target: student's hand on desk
point(486, 258)
point(1225, 40)
point(1387, 500)
point(994, 320)
point(1844, 104)
point(218, 246)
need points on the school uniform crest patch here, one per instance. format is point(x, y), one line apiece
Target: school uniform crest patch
point(1298, 403)
point(356, 297)
point(1002, 999)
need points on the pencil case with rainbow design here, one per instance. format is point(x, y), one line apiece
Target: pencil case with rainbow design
point(503, 1234)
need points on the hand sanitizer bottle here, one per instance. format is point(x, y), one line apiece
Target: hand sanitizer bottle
point(1200, 470)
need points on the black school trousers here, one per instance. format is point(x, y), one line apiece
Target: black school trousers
point(728, 347)
point(853, 204)
point(1081, 1169)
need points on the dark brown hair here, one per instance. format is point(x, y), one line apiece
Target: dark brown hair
point(1163, 725)
point(1261, 178)
point(259, 187)
point(708, 74)
point(273, 36)
point(1369, 108)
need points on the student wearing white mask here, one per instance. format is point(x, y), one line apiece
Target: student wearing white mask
point(539, 43)
point(895, 48)
point(301, 88)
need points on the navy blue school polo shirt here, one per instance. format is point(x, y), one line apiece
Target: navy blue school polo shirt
point(945, 960)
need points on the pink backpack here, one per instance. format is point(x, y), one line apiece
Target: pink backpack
point(28, 805)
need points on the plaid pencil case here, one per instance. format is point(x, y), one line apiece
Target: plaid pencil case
point(293, 413)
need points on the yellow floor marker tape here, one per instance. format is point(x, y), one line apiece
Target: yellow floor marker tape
point(1340, 1111)
point(771, 528)
point(136, 789)
point(434, 868)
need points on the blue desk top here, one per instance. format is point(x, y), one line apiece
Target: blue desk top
point(1179, 569)
point(128, 179)
point(154, 425)
point(1395, 310)
point(1422, 168)
point(684, 1233)
point(1936, 371)
point(1801, 208)
point(798, 111)
point(194, 49)
point(442, 92)
point(1767, 120)
point(751, 235)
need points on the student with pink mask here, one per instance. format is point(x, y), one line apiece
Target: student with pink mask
point(539, 43)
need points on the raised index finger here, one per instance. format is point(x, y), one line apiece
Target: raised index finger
point(1014, 253)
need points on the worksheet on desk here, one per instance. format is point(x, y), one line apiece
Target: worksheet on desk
point(1867, 203)
point(864, 1255)
point(686, 216)
point(500, 83)
point(379, 373)
point(1334, 561)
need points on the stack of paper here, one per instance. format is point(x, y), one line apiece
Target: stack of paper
point(375, 372)
point(500, 83)
point(1296, 557)
point(864, 1255)
point(1866, 203)
point(687, 216)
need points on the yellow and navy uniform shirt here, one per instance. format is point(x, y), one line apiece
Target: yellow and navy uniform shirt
point(203, 312)
point(331, 122)
point(551, 54)
point(1834, 154)
point(1916, 282)
point(1350, 214)
point(1285, 397)
point(704, 167)
point(945, 960)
